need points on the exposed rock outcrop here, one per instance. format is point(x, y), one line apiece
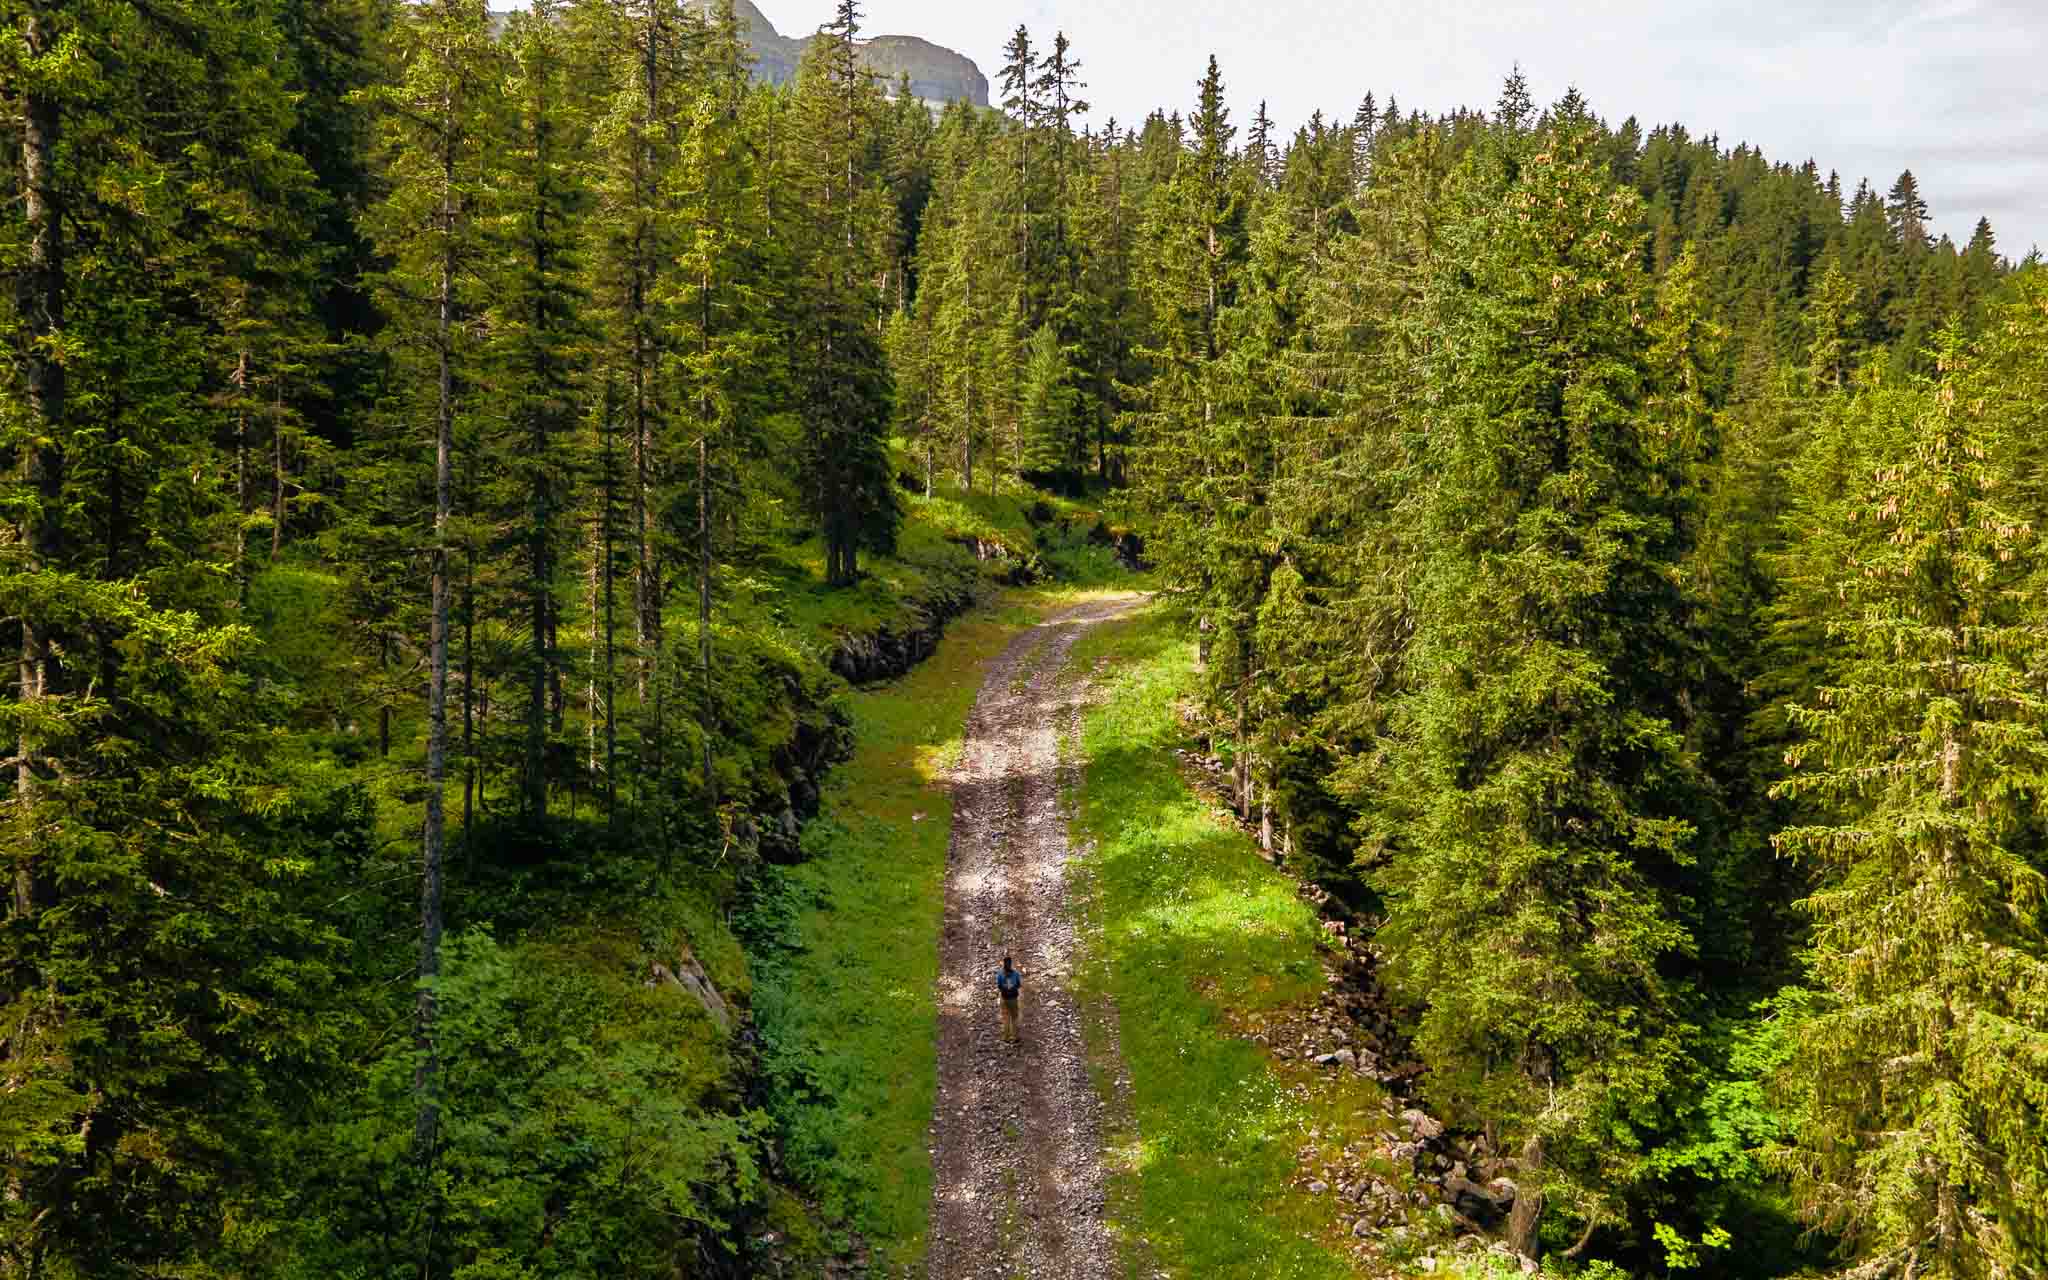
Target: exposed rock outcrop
point(937, 75)
point(869, 657)
point(689, 976)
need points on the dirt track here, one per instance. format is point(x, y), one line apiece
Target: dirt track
point(1016, 1136)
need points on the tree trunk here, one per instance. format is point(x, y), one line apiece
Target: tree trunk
point(1244, 764)
point(709, 718)
point(40, 304)
point(540, 516)
point(657, 740)
point(469, 773)
point(591, 709)
point(277, 473)
point(646, 609)
point(427, 1121)
point(108, 682)
point(611, 625)
point(534, 789)
point(967, 404)
point(558, 706)
point(1527, 1216)
point(240, 380)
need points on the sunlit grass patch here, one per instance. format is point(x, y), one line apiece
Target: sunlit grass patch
point(850, 1012)
point(1184, 928)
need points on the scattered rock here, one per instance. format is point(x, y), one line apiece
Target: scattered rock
point(1318, 1188)
point(1421, 1125)
point(1486, 1206)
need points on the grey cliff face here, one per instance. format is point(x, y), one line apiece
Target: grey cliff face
point(937, 75)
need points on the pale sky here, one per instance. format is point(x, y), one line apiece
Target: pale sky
point(1956, 90)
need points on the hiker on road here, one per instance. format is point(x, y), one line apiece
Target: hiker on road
point(1008, 983)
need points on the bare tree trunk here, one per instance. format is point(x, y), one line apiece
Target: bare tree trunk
point(1244, 763)
point(611, 626)
point(646, 615)
point(469, 773)
point(643, 585)
point(541, 684)
point(1527, 1216)
point(591, 709)
point(277, 472)
point(427, 1121)
point(558, 706)
point(240, 379)
point(708, 713)
point(709, 720)
point(40, 302)
point(534, 788)
point(967, 408)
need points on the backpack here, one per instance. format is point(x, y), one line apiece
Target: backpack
point(1009, 983)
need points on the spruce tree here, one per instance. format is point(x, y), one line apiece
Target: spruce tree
point(539, 348)
point(1058, 87)
point(1365, 124)
point(635, 55)
point(1906, 212)
point(1195, 248)
point(1833, 323)
point(1917, 1058)
point(159, 971)
point(844, 394)
point(727, 367)
point(437, 132)
point(1543, 784)
point(1259, 150)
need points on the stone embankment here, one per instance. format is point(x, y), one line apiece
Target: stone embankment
point(1407, 1183)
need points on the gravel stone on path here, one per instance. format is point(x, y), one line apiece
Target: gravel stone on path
point(1017, 1131)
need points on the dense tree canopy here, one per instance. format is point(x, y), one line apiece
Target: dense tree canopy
point(1614, 558)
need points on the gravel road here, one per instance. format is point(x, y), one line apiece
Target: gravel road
point(1016, 1136)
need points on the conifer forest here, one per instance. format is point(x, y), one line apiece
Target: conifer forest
point(468, 479)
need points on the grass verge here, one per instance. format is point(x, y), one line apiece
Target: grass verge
point(845, 997)
point(1185, 929)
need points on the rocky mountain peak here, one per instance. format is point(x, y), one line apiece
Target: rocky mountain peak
point(938, 75)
